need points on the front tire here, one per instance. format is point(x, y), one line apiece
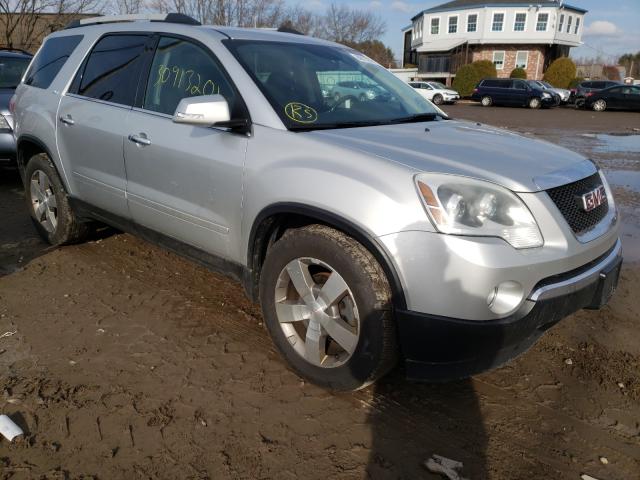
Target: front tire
point(327, 306)
point(437, 99)
point(599, 105)
point(48, 203)
point(486, 101)
point(535, 103)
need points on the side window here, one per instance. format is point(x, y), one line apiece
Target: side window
point(182, 69)
point(50, 60)
point(113, 68)
point(519, 85)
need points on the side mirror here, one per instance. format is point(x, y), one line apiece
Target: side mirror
point(202, 110)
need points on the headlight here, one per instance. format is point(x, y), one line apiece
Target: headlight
point(546, 95)
point(465, 206)
point(4, 125)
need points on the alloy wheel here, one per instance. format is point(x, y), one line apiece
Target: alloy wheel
point(600, 105)
point(317, 312)
point(43, 201)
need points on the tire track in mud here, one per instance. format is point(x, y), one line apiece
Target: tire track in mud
point(241, 321)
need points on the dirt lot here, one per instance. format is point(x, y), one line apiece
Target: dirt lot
point(129, 362)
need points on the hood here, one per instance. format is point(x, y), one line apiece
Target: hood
point(462, 148)
point(450, 92)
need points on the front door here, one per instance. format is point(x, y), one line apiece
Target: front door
point(91, 121)
point(184, 181)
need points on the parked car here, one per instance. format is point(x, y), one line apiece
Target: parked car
point(625, 97)
point(436, 92)
point(368, 231)
point(563, 93)
point(591, 86)
point(13, 63)
point(512, 92)
point(359, 90)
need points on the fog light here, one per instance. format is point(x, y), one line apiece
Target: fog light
point(505, 298)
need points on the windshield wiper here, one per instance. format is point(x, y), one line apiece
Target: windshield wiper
point(328, 126)
point(419, 117)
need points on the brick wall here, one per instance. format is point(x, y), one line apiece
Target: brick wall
point(535, 60)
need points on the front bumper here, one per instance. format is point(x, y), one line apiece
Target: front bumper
point(451, 98)
point(438, 348)
point(7, 148)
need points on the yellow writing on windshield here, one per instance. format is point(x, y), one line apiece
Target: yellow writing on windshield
point(301, 113)
point(187, 80)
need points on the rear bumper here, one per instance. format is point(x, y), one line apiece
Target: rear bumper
point(439, 348)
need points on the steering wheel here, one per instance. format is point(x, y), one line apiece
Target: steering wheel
point(341, 100)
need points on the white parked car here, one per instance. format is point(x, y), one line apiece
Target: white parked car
point(436, 92)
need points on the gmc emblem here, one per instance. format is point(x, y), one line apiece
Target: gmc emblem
point(594, 198)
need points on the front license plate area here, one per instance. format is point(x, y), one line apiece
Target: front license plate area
point(606, 285)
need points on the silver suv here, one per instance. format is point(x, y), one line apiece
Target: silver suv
point(368, 230)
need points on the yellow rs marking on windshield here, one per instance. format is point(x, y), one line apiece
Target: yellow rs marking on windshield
point(301, 113)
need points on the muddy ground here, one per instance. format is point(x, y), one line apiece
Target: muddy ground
point(130, 362)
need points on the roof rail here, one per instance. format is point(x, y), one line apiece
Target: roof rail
point(18, 50)
point(149, 17)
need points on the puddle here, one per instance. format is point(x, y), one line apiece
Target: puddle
point(624, 178)
point(607, 143)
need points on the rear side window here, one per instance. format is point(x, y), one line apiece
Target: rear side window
point(182, 69)
point(598, 85)
point(496, 83)
point(113, 68)
point(50, 59)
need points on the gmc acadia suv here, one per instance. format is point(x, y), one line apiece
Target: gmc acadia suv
point(369, 230)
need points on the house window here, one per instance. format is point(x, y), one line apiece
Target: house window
point(435, 26)
point(569, 24)
point(498, 22)
point(472, 22)
point(498, 60)
point(520, 22)
point(521, 59)
point(561, 23)
point(577, 25)
point(543, 20)
point(453, 24)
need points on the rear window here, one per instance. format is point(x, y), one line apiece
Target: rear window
point(112, 70)
point(11, 70)
point(598, 84)
point(50, 59)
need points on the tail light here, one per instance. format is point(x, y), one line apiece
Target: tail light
point(475, 90)
point(588, 94)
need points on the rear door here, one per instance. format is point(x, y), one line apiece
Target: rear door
point(184, 181)
point(520, 92)
point(615, 97)
point(631, 98)
point(91, 120)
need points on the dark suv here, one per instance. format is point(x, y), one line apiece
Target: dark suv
point(512, 92)
point(590, 86)
point(13, 63)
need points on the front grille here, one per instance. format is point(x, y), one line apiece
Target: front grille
point(568, 200)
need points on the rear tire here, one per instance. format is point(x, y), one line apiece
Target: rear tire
point(486, 101)
point(437, 99)
point(359, 310)
point(599, 105)
point(579, 103)
point(48, 203)
point(535, 103)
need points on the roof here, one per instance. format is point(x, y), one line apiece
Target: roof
point(464, 4)
point(9, 52)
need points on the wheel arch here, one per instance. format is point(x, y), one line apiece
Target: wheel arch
point(27, 146)
point(272, 221)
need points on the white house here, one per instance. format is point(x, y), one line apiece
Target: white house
point(510, 33)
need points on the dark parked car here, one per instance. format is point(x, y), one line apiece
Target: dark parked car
point(13, 63)
point(626, 97)
point(590, 86)
point(514, 92)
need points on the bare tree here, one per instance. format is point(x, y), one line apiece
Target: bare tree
point(346, 25)
point(23, 23)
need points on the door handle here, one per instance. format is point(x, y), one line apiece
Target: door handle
point(67, 120)
point(140, 139)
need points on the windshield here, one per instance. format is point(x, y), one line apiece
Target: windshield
point(321, 86)
point(11, 71)
point(438, 85)
point(546, 84)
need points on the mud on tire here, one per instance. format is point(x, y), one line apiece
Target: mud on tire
point(68, 228)
point(376, 350)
